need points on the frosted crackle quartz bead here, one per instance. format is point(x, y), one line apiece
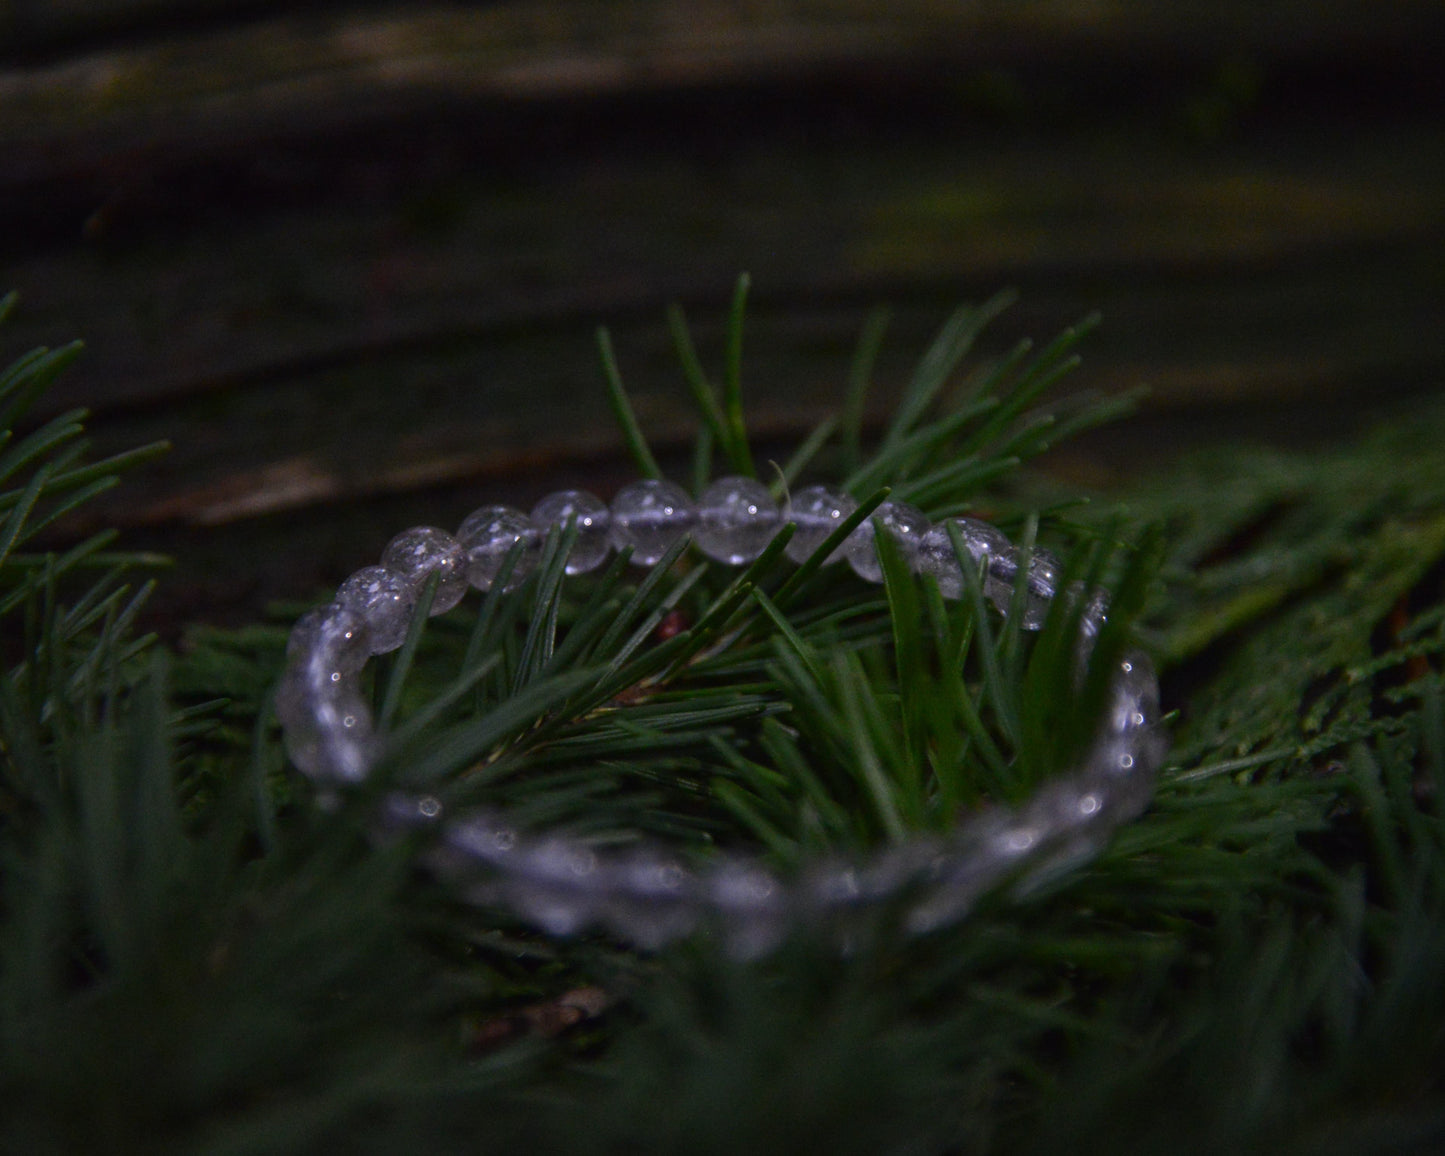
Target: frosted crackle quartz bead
point(488, 535)
point(592, 520)
point(650, 516)
point(816, 511)
point(422, 551)
point(736, 519)
point(327, 727)
point(332, 640)
point(1039, 588)
point(904, 522)
point(982, 543)
point(384, 599)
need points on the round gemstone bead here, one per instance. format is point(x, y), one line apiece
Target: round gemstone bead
point(592, 519)
point(385, 600)
point(816, 511)
point(422, 551)
point(736, 519)
point(1040, 585)
point(981, 543)
point(650, 516)
point(326, 726)
point(653, 901)
point(488, 535)
point(1095, 611)
point(330, 637)
point(905, 523)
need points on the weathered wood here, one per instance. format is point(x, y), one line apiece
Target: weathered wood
point(356, 257)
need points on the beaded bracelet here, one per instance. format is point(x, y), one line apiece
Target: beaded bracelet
point(646, 896)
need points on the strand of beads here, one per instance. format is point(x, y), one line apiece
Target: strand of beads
point(645, 895)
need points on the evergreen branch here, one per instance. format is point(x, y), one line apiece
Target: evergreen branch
point(22, 383)
point(1254, 963)
point(24, 503)
point(798, 583)
point(737, 440)
point(632, 434)
point(804, 455)
point(860, 375)
point(703, 395)
point(401, 662)
point(944, 356)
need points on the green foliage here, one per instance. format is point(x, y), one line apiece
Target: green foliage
point(192, 957)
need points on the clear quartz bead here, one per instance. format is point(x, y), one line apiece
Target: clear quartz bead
point(422, 551)
point(752, 907)
point(650, 516)
point(488, 536)
point(982, 543)
point(1040, 586)
point(592, 546)
point(385, 600)
point(1040, 582)
point(330, 638)
point(736, 519)
point(906, 524)
point(1095, 610)
point(816, 511)
point(652, 901)
point(557, 885)
point(326, 725)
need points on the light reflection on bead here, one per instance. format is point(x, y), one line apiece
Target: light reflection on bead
point(326, 726)
point(936, 556)
point(650, 516)
point(385, 600)
point(592, 519)
point(652, 902)
point(816, 511)
point(1040, 587)
point(488, 536)
point(736, 519)
point(753, 907)
point(904, 522)
point(422, 551)
point(332, 638)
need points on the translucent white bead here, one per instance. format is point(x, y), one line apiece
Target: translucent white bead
point(981, 542)
point(1134, 694)
point(650, 516)
point(488, 535)
point(327, 727)
point(556, 885)
point(736, 519)
point(816, 511)
point(592, 519)
point(385, 599)
point(1039, 584)
point(1095, 611)
point(906, 524)
point(653, 900)
point(331, 639)
point(485, 839)
point(753, 908)
point(422, 551)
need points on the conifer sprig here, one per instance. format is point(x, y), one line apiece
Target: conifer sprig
point(860, 687)
point(188, 959)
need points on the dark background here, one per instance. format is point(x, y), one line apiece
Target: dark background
point(349, 260)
